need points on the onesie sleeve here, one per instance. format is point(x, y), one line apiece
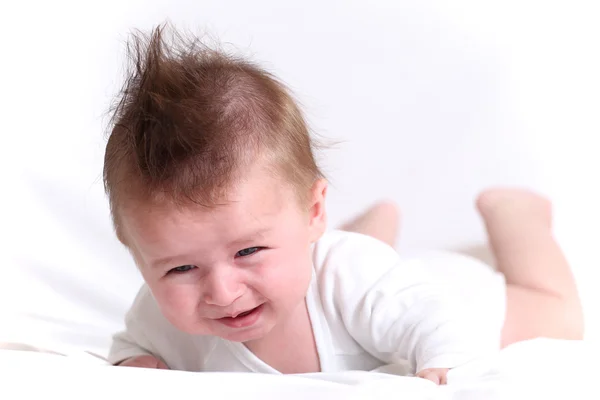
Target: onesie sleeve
point(132, 341)
point(393, 309)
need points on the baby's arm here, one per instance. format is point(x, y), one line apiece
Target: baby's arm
point(409, 318)
point(131, 347)
point(396, 313)
point(143, 362)
point(435, 375)
point(125, 352)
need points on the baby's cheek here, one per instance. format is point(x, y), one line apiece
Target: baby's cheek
point(180, 304)
point(290, 279)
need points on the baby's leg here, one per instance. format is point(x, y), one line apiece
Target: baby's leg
point(379, 221)
point(542, 299)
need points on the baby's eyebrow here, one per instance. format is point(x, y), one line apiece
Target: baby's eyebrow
point(162, 261)
point(250, 236)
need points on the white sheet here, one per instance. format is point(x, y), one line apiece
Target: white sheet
point(536, 369)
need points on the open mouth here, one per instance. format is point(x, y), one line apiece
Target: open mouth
point(245, 313)
point(244, 319)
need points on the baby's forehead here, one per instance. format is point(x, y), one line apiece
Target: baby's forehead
point(170, 227)
point(250, 200)
point(257, 196)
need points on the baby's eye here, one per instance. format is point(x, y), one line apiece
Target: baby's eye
point(181, 269)
point(247, 252)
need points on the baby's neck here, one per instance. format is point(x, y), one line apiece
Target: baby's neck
point(290, 346)
point(296, 322)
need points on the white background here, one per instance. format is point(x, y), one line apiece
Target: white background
point(430, 101)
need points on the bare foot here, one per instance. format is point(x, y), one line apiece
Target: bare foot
point(380, 221)
point(542, 298)
point(519, 227)
point(515, 207)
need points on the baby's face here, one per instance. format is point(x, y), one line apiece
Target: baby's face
point(234, 271)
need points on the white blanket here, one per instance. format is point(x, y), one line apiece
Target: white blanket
point(539, 369)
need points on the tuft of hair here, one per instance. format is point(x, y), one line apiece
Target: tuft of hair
point(190, 119)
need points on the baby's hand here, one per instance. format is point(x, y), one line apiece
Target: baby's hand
point(143, 362)
point(436, 375)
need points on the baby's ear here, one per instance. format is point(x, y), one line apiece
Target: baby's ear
point(316, 211)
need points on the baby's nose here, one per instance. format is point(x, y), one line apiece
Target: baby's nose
point(222, 288)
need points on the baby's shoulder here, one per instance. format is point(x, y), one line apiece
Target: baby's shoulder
point(352, 247)
point(144, 308)
point(340, 251)
point(151, 330)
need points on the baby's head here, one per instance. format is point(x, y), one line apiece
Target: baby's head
point(214, 188)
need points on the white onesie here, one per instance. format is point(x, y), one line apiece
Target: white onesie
point(368, 308)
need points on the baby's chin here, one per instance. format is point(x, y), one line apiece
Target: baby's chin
point(245, 336)
point(232, 335)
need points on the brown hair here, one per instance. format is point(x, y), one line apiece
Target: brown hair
point(189, 119)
